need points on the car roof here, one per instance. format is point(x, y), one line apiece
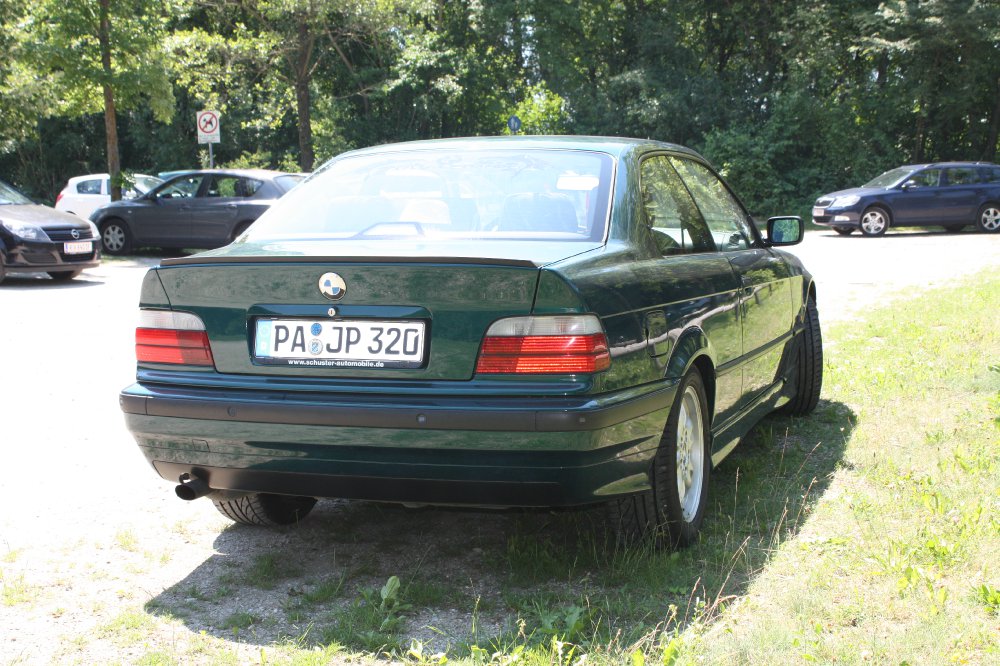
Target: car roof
point(250, 173)
point(945, 165)
point(616, 146)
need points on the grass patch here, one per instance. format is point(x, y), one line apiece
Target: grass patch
point(266, 571)
point(128, 628)
point(15, 591)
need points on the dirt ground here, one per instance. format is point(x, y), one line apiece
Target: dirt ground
point(94, 546)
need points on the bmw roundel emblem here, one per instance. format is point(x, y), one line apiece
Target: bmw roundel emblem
point(332, 286)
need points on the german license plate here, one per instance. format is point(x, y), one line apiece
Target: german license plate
point(78, 247)
point(352, 343)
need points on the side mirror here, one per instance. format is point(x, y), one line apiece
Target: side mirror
point(909, 185)
point(785, 230)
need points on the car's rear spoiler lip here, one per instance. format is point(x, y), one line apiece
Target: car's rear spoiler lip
point(376, 259)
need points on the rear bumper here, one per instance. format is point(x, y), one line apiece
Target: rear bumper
point(451, 450)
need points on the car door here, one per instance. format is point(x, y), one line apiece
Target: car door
point(215, 211)
point(961, 193)
point(916, 201)
point(766, 303)
point(695, 286)
point(164, 216)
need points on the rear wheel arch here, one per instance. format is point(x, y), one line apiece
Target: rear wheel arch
point(693, 349)
point(239, 228)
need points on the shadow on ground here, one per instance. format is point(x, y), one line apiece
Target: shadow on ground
point(499, 579)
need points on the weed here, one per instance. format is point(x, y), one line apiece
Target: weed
point(989, 597)
point(16, 590)
point(241, 620)
point(126, 540)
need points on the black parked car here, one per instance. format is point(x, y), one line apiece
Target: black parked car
point(951, 195)
point(197, 209)
point(35, 238)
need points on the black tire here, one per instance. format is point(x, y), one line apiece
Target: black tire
point(809, 365)
point(116, 237)
point(663, 514)
point(3, 271)
point(265, 509)
point(988, 219)
point(874, 221)
point(844, 231)
point(64, 276)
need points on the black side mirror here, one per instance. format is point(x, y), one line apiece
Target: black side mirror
point(785, 230)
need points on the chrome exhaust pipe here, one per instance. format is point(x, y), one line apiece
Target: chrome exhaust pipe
point(191, 487)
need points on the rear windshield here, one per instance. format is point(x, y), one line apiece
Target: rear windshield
point(525, 194)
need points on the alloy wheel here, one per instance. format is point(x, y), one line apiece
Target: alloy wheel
point(114, 238)
point(989, 219)
point(690, 453)
point(873, 222)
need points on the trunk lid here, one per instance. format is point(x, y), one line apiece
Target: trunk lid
point(451, 293)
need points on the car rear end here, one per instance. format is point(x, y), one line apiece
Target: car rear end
point(401, 340)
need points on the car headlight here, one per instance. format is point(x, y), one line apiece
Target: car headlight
point(25, 231)
point(93, 229)
point(845, 201)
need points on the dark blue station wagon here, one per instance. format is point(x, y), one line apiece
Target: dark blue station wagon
point(952, 195)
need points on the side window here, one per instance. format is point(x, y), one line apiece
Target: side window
point(991, 175)
point(925, 178)
point(250, 187)
point(728, 222)
point(182, 188)
point(89, 187)
point(962, 176)
point(674, 220)
point(224, 186)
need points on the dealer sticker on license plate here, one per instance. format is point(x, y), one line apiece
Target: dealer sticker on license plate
point(78, 247)
point(353, 343)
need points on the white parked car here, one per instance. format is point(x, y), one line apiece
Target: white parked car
point(85, 194)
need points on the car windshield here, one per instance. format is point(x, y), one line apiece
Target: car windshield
point(502, 194)
point(890, 178)
point(288, 181)
point(8, 195)
point(144, 184)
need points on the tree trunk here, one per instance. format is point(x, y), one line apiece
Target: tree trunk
point(302, 97)
point(110, 121)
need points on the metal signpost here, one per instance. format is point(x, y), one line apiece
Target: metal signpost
point(208, 132)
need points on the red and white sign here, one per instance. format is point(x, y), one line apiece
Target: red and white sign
point(208, 127)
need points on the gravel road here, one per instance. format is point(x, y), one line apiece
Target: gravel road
point(101, 562)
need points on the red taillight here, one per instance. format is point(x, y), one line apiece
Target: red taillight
point(544, 345)
point(58, 197)
point(172, 337)
point(164, 346)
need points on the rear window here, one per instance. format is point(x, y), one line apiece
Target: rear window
point(507, 194)
point(89, 187)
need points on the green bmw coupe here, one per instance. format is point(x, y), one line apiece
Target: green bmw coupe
point(493, 322)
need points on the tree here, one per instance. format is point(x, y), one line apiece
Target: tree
point(104, 56)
